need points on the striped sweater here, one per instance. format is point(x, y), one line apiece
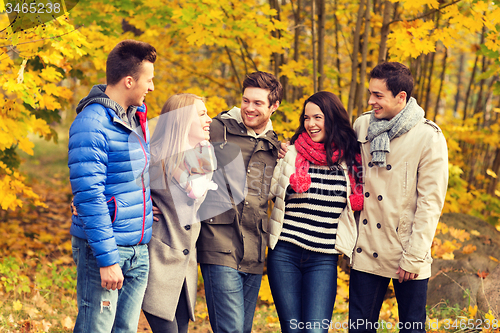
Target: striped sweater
point(311, 218)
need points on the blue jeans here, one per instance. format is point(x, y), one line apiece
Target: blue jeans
point(104, 311)
point(366, 295)
point(304, 287)
point(231, 298)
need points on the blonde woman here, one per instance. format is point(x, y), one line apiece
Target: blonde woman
point(181, 168)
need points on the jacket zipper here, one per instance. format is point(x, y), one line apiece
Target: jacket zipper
point(143, 190)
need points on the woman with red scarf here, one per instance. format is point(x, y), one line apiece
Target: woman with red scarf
point(317, 187)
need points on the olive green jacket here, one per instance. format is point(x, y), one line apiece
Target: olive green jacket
point(234, 218)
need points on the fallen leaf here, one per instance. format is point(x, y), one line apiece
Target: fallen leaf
point(468, 249)
point(68, 322)
point(482, 274)
point(493, 258)
point(17, 305)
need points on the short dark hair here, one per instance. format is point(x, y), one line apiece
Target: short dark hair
point(339, 133)
point(397, 77)
point(126, 59)
point(265, 81)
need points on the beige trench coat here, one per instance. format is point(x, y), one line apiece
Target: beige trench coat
point(346, 230)
point(172, 249)
point(403, 201)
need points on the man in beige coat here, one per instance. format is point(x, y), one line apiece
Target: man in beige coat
point(405, 163)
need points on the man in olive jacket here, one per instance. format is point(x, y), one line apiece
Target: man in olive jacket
point(405, 163)
point(233, 238)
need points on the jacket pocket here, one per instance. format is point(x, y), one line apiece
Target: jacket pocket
point(113, 209)
point(224, 218)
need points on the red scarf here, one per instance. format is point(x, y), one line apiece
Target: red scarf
point(314, 152)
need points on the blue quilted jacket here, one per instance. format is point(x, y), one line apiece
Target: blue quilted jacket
point(109, 174)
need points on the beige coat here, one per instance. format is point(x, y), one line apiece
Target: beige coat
point(346, 230)
point(172, 249)
point(403, 201)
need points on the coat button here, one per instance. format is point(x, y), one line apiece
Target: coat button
point(190, 202)
point(379, 225)
point(187, 227)
point(366, 137)
point(375, 255)
point(246, 202)
point(388, 167)
point(211, 220)
point(186, 252)
point(379, 198)
point(370, 164)
point(396, 229)
point(367, 194)
point(365, 221)
point(358, 250)
point(242, 131)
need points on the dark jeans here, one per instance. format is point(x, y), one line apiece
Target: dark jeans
point(180, 323)
point(304, 286)
point(366, 295)
point(231, 298)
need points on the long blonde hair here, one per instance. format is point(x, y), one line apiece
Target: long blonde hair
point(171, 135)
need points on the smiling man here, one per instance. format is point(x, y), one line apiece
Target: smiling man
point(108, 160)
point(232, 242)
point(405, 162)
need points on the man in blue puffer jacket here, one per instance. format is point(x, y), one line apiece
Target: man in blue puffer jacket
point(109, 161)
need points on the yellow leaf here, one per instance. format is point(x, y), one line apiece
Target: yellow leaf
point(472, 311)
point(491, 173)
point(265, 290)
point(497, 193)
point(489, 316)
point(17, 305)
point(493, 258)
point(448, 256)
point(460, 234)
point(475, 233)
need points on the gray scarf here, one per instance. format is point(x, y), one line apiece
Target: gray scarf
point(382, 131)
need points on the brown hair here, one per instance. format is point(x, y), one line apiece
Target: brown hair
point(265, 81)
point(126, 59)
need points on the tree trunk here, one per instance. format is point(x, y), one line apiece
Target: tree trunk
point(384, 32)
point(296, 91)
point(459, 84)
point(496, 169)
point(443, 73)
point(337, 50)
point(472, 77)
point(354, 66)
point(321, 42)
point(364, 55)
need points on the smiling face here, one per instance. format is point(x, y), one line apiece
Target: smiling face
point(205, 120)
point(200, 124)
point(255, 108)
point(139, 88)
point(383, 103)
point(314, 122)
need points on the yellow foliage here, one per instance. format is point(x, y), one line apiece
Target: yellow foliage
point(17, 306)
point(489, 316)
point(494, 259)
point(265, 290)
point(472, 311)
point(444, 251)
